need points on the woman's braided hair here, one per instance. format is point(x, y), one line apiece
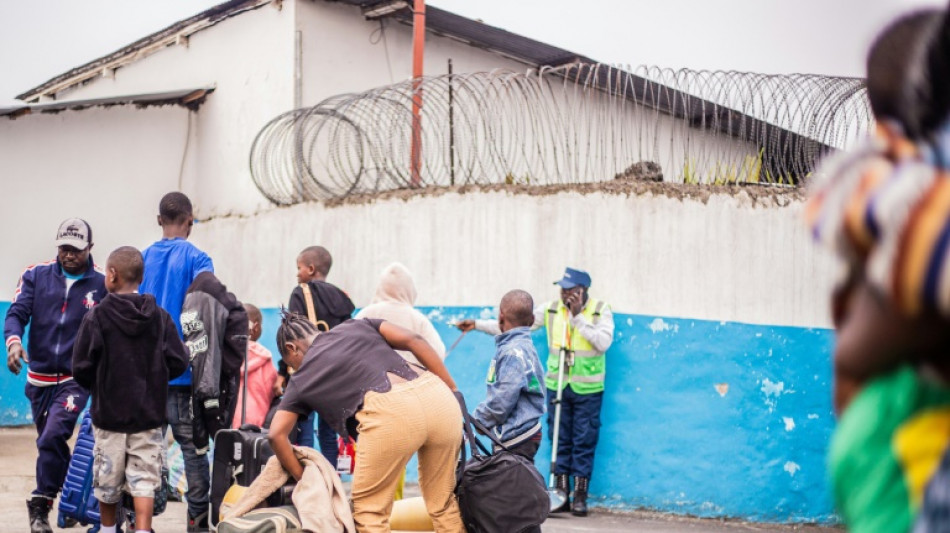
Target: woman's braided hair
point(293, 327)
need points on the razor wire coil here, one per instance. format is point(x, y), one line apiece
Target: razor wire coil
point(579, 123)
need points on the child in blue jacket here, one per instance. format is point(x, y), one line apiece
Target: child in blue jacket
point(515, 402)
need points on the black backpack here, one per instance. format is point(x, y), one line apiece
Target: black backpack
point(497, 493)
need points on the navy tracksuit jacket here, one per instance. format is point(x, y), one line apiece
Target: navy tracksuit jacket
point(54, 315)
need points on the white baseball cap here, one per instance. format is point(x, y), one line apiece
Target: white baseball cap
point(74, 232)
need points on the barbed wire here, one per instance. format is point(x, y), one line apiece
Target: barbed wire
point(578, 123)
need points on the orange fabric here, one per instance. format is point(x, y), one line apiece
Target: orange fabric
point(261, 376)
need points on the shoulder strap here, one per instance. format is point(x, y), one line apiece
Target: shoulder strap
point(487, 432)
point(308, 298)
point(311, 310)
point(467, 437)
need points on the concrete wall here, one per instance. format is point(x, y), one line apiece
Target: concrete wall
point(718, 399)
point(700, 417)
point(721, 258)
point(707, 418)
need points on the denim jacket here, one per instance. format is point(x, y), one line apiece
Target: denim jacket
point(515, 402)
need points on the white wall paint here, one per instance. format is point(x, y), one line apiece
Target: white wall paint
point(721, 260)
point(108, 166)
point(249, 59)
point(339, 54)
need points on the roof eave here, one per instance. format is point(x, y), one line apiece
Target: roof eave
point(176, 33)
point(189, 98)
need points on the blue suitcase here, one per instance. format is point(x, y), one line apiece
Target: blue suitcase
point(77, 501)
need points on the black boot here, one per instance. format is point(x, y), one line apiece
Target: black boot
point(579, 507)
point(39, 507)
point(562, 482)
point(198, 524)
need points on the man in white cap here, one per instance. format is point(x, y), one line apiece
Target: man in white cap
point(584, 326)
point(53, 297)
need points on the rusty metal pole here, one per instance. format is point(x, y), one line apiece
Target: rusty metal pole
point(451, 131)
point(418, 52)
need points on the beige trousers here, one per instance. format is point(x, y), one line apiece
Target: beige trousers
point(420, 416)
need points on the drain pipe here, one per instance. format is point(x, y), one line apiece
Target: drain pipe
point(418, 52)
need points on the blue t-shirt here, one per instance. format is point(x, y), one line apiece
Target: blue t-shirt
point(73, 277)
point(170, 267)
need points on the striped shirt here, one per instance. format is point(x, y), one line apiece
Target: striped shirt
point(892, 221)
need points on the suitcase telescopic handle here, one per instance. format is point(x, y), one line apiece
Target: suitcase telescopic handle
point(244, 380)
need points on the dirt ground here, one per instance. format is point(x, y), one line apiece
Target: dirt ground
point(18, 456)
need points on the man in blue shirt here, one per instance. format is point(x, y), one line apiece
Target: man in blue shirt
point(53, 298)
point(171, 264)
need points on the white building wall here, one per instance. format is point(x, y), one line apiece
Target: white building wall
point(109, 166)
point(249, 59)
point(720, 259)
point(345, 53)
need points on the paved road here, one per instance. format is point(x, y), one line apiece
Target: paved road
point(18, 456)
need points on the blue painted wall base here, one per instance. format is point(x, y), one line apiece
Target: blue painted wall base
point(707, 418)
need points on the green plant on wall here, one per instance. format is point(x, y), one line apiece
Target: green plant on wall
point(511, 179)
point(749, 171)
point(753, 167)
point(690, 176)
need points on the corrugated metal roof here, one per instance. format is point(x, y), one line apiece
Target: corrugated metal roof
point(489, 37)
point(481, 35)
point(190, 98)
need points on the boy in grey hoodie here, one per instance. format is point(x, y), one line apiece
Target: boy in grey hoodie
point(515, 403)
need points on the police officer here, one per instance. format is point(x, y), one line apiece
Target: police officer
point(585, 327)
point(53, 297)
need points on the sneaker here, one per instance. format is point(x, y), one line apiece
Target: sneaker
point(198, 524)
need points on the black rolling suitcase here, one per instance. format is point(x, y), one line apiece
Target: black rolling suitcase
point(239, 457)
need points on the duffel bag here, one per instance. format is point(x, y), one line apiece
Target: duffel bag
point(269, 520)
point(497, 492)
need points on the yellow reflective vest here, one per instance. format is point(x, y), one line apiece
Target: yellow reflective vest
point(590, 366)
